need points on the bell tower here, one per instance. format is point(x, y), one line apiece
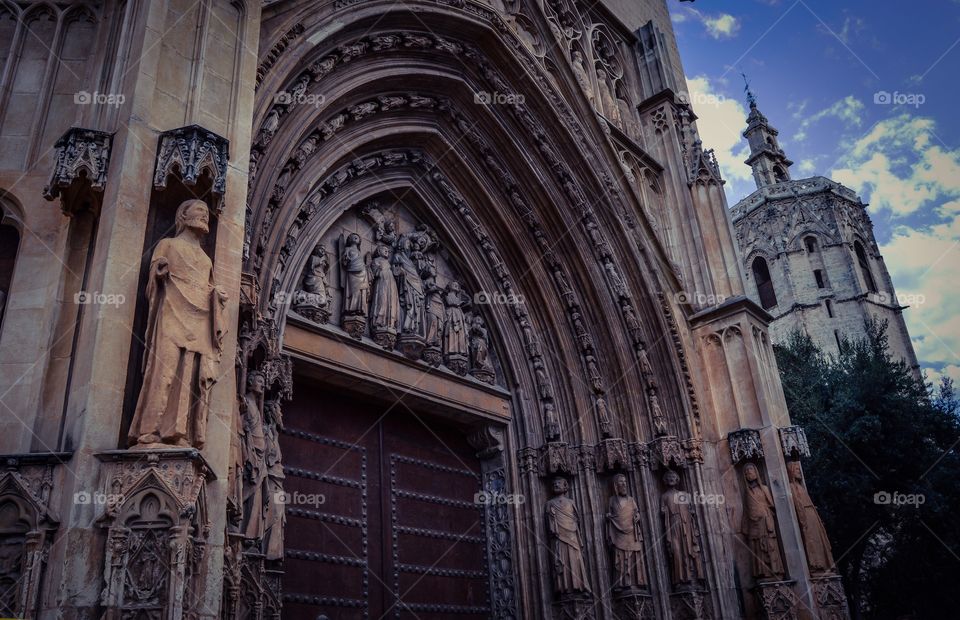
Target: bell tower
point(769, 162)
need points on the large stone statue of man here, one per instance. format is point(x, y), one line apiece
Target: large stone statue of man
point(683, 549)
point(183, 339)
point(760, 526)
point(566, 548)
point(815, 541)
point(254, 455)
point(625, 537)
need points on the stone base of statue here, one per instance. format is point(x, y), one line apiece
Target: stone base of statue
point(690, 604)
point(777, 600)
point(312, 306)
point(432, 355)
point(576, 606)
point(386, 337)
point(830, 597)
point(355, 325)
point(633, 604)
point(411, 345)
point(484, 374)
point(457, 363)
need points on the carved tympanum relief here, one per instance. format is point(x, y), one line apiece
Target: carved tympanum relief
point(390, 280)
point(185, 328)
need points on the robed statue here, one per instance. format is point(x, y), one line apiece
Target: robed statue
point(356, 286)
point(409, 285)
point(566, 547)
point(254, 448)
point(184, 337)
point(384, 304)
point(760, 526)
point(625, 537)
point(683, 548)
point(815, 541)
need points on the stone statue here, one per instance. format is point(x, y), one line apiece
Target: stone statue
point(480, 365)
point(385, 304)
point(254, 455)
point(607, 99)
point(184, 336)
point(434, 315)
point(625, 537)
point(580, 72)
point(760, 526)
point(815, 541)
point(409, 285)
point(563, 530)
point(454, 330)
point(679, 524)
point(274, 516)
point(356, 287)
point(313, 301)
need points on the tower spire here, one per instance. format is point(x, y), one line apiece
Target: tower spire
point(769, 162)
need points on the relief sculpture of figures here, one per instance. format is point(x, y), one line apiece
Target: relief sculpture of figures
point(385, 303)
point(610, 108)
point(454, 330)
point(480, 365)
point(760, 526)
point(412, 297)
point(566, 548)
point(625, 537)
point(815, 541)
point(356, 286)
point(254, 455)
point(433, 329)
point(184, 336)
point(679, 523)
point(313, 301)
point(275, 514)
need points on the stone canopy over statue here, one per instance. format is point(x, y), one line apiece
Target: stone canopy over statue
point(184, 335)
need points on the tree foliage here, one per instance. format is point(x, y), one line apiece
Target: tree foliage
point(884, 472)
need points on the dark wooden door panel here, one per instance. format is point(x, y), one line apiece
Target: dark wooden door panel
point(398, 533)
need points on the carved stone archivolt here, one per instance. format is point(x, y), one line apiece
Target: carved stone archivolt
point(157, 531)
point(192, 150)
point(81, 155)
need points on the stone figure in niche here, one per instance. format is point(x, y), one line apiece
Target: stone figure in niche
point(580, 71)
point(815, 541)
point(412, 296)
point(384, 304)
point(679, 524)
point(356, 286)
point(454, 330)
point(254, 449)
point(184, 336)
point(656, 413)
point(480, 365)
point(563, 530)
point(760, 526)
point(434, 315)
point(313, 301)
point(625, 537)
point(607, 99)
point(269, 127)
point(274, 515)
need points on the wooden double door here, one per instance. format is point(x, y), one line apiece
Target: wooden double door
point(381, 515)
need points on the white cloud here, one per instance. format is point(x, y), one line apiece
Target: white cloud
point(718, 25)
point(806, 166)
point(721, 123)
point(848, 111)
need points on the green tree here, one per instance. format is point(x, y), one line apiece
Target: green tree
point(884, 472)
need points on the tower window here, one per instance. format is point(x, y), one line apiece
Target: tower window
point(836, 336)
point(811, 243)
point(829, 305)
point(818, 275)
point(9, 243)
point(864, 266)
point(779, 173)
point(761, 275)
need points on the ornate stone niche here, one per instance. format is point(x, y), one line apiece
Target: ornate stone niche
point(777, 600)
point(193, 150)
point(794, 442)
point(79, 169)
point(745, 444)
point(830, 598)
point(666, 452)
point(27, 526)
point(157, 530)
point(380, 273)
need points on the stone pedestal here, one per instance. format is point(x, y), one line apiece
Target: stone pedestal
point(777, 600)
point(574, 607)
point(633, 605)
point(830, 598)
point(690, 605)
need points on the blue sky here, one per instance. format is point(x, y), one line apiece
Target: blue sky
point(865, 92)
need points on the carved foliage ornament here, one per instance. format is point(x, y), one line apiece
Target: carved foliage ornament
point(193, 150)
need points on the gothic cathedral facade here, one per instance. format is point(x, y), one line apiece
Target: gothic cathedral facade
point(365, 309)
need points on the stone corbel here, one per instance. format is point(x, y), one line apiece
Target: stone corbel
point(777, 600)
point(830, 597)
point(80, 169)
point(554, 459)
point(794, 442)
point(632, 605)
point(193, 150)
point(745, 444)
point(666, 452)
point(612, 455)
point(690, 605)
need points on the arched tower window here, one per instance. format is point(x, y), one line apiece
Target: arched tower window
point(811, 243)
point(761, 275)
point(9, 244)
point(864, 266)
point(779, 173)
